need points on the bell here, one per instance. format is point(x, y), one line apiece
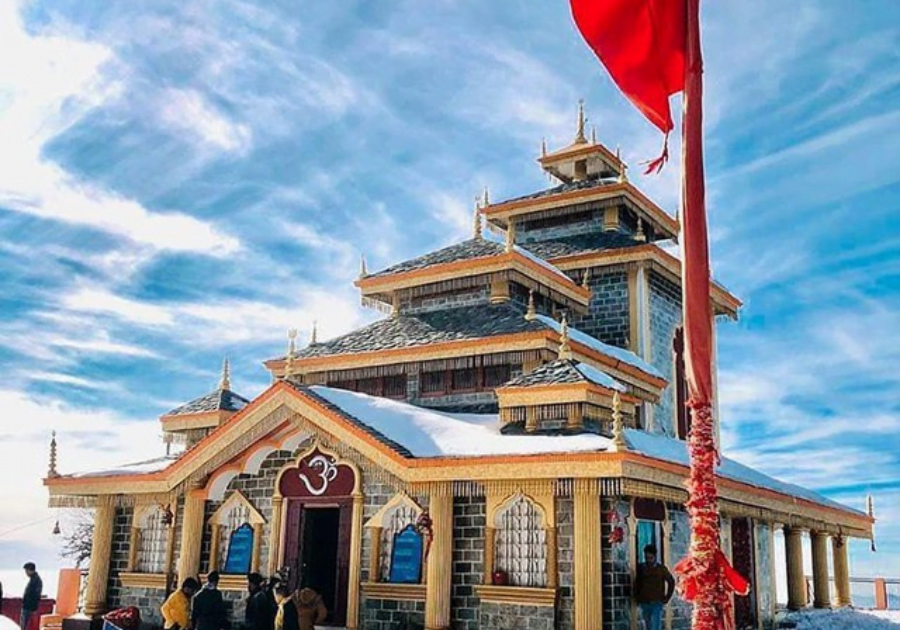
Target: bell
point(56, 530)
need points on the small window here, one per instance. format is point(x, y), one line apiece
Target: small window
point(395, 386)
point(371, 386)
point(497, 375)
point(433, 383)
point(520, 546)
point(464, 380)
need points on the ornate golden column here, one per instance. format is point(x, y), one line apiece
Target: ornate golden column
point(588, 595)
point(215, 534)
point(842, 596)
point(257, 547)
point(98, 570)
point(821, 587)
point(552, 557)
point(375, 554)
point(275, 534)
point(133, 544)
point(796, 580)
point(191, 535)
point(356, 525)
point(490, 535)
point(440, 560)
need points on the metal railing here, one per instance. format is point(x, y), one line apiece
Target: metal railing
point(874, 593)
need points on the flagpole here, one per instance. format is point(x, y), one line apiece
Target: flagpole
point(712, 610)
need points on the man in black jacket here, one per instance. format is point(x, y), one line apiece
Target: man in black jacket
point(258, 614)
point(208, 607)
point(32, 597)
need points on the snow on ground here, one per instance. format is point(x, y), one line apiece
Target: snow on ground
point(844, 619)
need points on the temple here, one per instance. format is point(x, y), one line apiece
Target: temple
point(492, 453)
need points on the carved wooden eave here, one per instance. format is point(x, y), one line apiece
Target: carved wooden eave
point(380, 287)
point(284, 402)
point(667, 227)
point(560, 393)
point(724, 302)
point(581, 150)
point(187, 421)
point(648, 386)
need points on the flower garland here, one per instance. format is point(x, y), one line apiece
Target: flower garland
point(707, 578)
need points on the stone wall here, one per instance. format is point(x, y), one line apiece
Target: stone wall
point(469, 517)
point(513, 617)
point(118, 560)
point(679, 542)
point(565, 539)
point(390, 614)
point(527, 232)
point(665, 317)
point(443, 301)
point(608, 316)
point(616, 564)
point(765, 587)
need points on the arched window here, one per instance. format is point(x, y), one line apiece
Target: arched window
point(395, 516)
point(520, 542)
point(150, 539)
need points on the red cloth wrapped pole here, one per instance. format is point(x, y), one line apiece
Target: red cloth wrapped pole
point(651, 49)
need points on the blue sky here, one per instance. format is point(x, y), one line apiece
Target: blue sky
point(184, 181)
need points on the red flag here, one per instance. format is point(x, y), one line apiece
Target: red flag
point(651, 48)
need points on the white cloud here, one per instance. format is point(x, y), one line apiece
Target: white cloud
point(101, 301)
point(186, 111)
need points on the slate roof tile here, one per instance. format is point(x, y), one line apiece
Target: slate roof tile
point(467, 250)
point(219, 400)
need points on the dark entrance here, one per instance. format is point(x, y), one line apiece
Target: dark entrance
point(743, 559)
point(317, 551)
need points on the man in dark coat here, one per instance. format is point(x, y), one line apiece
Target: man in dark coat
point(208, 607)
point(258, 613)
point(653, 588)
point(32, 597)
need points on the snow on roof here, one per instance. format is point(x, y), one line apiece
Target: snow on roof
point(428, 433)
point(675, 451)
point(599, 378)
point(137, 468)
point(626, 356)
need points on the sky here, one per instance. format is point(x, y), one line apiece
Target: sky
point(181, 182)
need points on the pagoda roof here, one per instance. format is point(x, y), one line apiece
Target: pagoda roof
point(218, 400)
point(466, 250)
point(564, 372)
point(429, 327)
point(584, 184)
point(581, 244)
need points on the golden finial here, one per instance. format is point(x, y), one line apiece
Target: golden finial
point(618, 427)
point(291, 350)
point(565, 351)
point(56, 530)
point(593, 134)
point(314, 338)
point(363, 271)
point(510, 236)
point(623, 168)
point(485, 198)
point(531, 313)
point(225, 381)
point(51, 470)
point(640, 235)
point(870, 506)
point(579, 135)
point(476, 222)
point(586, 279)
point(543, 147)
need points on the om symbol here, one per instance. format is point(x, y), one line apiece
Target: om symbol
point(327, 472)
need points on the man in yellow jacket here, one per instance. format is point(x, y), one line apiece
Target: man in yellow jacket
point(176, 611)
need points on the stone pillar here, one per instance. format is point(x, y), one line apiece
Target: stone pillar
point(796, 580)
point(191, 535)
point(375, 534)
point(842, 596)
point(216, 533)
point(588, 594)
point(257, 547)
point(275, 534)
point(821, 587)
point(101, 549)
point(356, 524)
point(440, 560)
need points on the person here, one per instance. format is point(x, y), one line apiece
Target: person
point(286, 618)
point(653, 588)
point(310, 608)
point(176, 610)
point(258, 613)
point(208, 607)
point(32, 597)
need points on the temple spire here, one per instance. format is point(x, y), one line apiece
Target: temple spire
point(579, 134)
point(531, 312)
point(485, 198)
point(623, 173)
point(618, 426)
point(593, 134)
point(476, 222)
point(565, 351)
point(639, 235)
point(51, 469)
point(543, 147)
point(291, 350)
point(314, 338)
point(225, 381)
point(363, 271)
